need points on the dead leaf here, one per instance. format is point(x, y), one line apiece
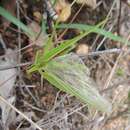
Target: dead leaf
point(41, 39)
point(7, 82)
point(7, 77)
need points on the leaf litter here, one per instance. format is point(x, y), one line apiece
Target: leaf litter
point(69, 81)
point(7, 83)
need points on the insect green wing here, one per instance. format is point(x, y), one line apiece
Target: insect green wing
point(71, 72)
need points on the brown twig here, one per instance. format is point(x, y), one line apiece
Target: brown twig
point(96, 53)
point(119, 18)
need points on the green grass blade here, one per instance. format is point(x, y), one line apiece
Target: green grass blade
point(63, 46)
point(95, 30)
point(16, 22)
point(55, 51)
point(61, 49)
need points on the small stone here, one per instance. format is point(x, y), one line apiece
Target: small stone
point(82, 49)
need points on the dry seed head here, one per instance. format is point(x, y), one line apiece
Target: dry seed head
point(63, 9)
